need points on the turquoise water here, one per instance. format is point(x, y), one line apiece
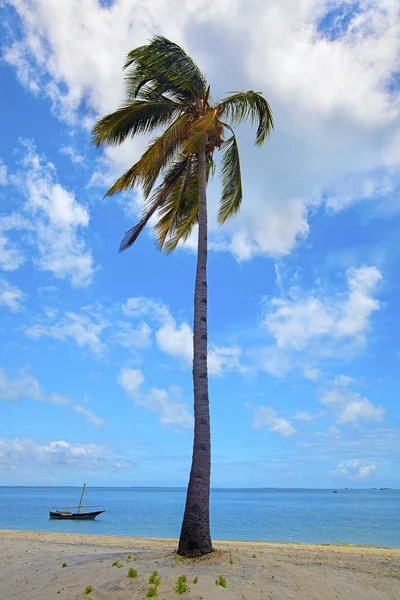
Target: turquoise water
point(291, 515)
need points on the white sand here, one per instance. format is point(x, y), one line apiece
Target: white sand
point(31, 567)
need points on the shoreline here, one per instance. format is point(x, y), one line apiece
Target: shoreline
point(97, 539)
point(44, 565)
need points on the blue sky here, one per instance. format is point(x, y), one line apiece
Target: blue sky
point(95, 379)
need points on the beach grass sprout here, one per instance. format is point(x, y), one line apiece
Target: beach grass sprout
point(117, 564)
point(181, 586)
point(151, 592)
point(88, 590)
point(221, 581)
point(132, 573)
point(154, 579)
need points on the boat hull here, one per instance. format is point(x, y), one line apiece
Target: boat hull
point(81, 516)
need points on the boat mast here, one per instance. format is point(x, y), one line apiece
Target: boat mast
point(80, 501)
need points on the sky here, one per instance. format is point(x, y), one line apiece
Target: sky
point(304, 351)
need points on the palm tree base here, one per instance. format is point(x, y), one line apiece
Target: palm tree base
point(195, 538)
point(192, 546)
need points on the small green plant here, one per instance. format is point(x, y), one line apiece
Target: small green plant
point(64, 565)
point(88, 590)
point(154, 579)
point(221, 581)
point(129, 556)
point(132, 573)
point(195, 580)
point(135, 558)
point(59, 592)
point(254, 556)
point(151, 592)
point(117, 564)
point(181, 585)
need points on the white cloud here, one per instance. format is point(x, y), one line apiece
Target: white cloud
point(96, 327)
point(311, 373)
point(60, 400)
point(3, 173)
point(172, 338)
point(171, 412)
point(225, 358)
point(11, 296)
point(264, 416)
point(27, 453)
point(177, 341)
point(336, 142)
point(140, 306)
point(360, 304)
point(272, 360)
point(364, 50)
point(298, 319)
point(359, 409)
point(355, 469)
point(58, 219)
point(133, 338)
point(75, 157)
point(332, 430)
point(303, 415)
point(22, 385)
point(53, 218)
point(350, 407)
point(11, 258)
point(89, 415)
point(84, 329)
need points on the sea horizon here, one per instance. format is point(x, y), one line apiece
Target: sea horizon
point(216, 488)
point(351, 516)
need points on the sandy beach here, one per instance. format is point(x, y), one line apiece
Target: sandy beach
point(31, 566)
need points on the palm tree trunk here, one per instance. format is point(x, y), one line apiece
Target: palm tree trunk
point(195, 539)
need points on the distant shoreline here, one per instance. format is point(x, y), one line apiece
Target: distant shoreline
point(213, 489)
point(77, 538)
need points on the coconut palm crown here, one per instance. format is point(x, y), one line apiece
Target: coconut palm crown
point(167, 91)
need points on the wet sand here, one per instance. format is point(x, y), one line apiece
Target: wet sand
point(31, 567)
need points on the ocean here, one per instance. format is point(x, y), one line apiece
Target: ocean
point(290, 515)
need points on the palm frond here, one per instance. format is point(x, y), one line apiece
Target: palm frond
point(186, 224)
point(231, 181)
point(156, 201)
point(211, 166)
point(166, 65)
point(132, 234)
point(204, 124)
point(187, 217)
point(243, 105)
point(133, 118)
point(175, 208)
point(163, 149)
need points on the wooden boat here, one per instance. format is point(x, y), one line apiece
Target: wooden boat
point(78, 515)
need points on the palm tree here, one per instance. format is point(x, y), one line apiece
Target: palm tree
point(166, 89)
